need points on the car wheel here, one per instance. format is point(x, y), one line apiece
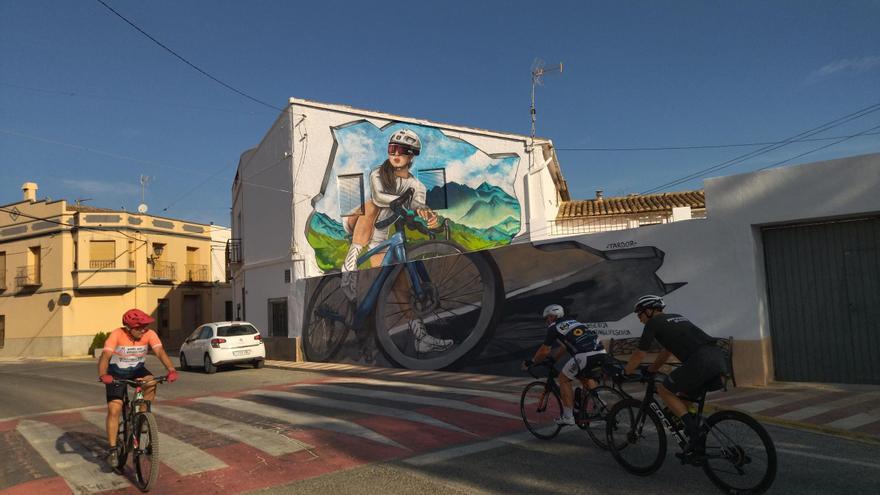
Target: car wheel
point(259, 363)
point(183, 364)
point(209, 365)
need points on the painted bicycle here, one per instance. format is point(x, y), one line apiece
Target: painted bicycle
point(431, 306)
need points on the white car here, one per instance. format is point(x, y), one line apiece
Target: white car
point(225, 342)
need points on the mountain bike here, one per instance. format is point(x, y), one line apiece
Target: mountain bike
point(734, 450)
point(432, 305)
point(138, 434)
point(540, 404)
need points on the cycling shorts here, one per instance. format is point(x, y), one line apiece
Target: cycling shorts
point(698, 372)
point(585, 365)
point(115, 391)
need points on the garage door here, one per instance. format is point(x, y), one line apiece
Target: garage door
point(823, 282)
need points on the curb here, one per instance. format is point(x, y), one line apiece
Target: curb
point(801, 425)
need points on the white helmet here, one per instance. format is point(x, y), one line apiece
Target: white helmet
point(408, 138)
point(649, 301)
point(555, 310)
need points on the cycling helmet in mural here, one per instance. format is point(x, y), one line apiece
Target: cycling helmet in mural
point(555, 310)
point(649, 301)
point(135, 318)
point(408, 139)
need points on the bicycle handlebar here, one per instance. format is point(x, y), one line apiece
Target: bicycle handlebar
point(139, 383)
point(410, 218)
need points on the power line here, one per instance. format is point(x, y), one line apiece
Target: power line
point(127, 100)
point(863, 133)
point(187, 62)
point(715, 146)
point(752, 154)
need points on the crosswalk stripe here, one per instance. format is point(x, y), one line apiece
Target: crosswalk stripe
point(358, 407)
point(265, 440)
point(181, 457)
point(507, 397)
point(400, 397)
point(473, 448)
point(72, 461)
point(854, 421)
point(299, 418)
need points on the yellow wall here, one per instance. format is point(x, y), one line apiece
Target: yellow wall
point(37, 321)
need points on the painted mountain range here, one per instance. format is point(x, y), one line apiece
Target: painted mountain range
point(480, 218)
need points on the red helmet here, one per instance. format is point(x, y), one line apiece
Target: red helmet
point(135, 318)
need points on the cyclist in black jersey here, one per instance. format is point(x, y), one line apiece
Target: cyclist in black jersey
point(702, 361)
point(582, 344)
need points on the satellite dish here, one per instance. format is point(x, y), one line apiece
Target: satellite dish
point(142, 208)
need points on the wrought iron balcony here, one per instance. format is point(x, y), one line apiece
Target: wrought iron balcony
point(233, 251)
point(163, 270)
point(27, 276)
point(102, 264)
point(196, 273)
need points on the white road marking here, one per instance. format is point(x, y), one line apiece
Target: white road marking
point(853, 421)
point(81, 469)
point(830, 458)
point(302, 419)
point(358, 407)
point(507, 397)
point(446, 454)
point(401, 397)
point(258, 438)
point(183, 458)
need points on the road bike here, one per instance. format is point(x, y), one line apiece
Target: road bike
point(540, 404)
point(734, 450)
point(138, 434)
point(431, 306)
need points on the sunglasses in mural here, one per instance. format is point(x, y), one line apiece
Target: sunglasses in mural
point(432, 304)
point(399, 149)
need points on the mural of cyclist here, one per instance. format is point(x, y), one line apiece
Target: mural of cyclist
point(387, 182)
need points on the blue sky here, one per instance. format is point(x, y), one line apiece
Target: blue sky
point(88, 104)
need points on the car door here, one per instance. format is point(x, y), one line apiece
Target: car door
point(188, 348)
point(202, 343)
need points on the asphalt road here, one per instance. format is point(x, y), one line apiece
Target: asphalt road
point(499, 458)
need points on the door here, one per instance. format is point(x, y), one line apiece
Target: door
point(823, 285)
point(192, 311)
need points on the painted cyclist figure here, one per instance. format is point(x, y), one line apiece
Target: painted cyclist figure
point(387, 183)
point(124, 354)
point(701, 359)
point(581, 343)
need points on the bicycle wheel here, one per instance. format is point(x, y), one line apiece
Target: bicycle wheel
point(597, 406)
point(740, 455)
point(145, 450)
point(327, 320)
point(539, 407)
point(637, 445)
point(463, 296)
point(122, 447)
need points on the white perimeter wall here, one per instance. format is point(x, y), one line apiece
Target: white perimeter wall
point(721, 257)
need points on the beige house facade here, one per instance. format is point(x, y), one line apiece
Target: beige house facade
point(70, 271)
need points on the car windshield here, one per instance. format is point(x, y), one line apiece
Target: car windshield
point(236, 330)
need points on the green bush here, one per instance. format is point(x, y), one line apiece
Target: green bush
point(98, 342)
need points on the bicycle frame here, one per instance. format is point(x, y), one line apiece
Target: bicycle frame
point(649, 401)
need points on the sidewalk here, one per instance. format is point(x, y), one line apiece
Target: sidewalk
point(852, 411)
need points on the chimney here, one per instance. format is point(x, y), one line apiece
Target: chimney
point(599, 194)
point(30, 191)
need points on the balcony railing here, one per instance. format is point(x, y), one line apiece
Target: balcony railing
point(102, 264)
point(163, 270)
point(233, 251)
point(2, 279)
point(27, 276)
point(196, 273)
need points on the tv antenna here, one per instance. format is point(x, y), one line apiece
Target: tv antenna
point(538, 72)
point(145, 179)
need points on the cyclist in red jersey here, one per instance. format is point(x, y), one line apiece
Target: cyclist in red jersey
point(124, 354)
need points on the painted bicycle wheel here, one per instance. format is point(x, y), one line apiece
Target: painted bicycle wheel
point(455, 317)
point(327, 319)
